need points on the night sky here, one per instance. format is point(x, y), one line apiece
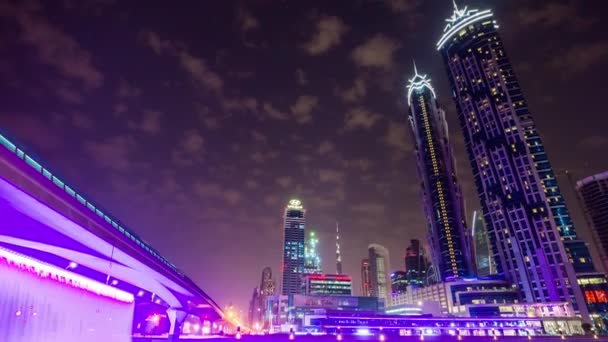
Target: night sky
point(194, 122)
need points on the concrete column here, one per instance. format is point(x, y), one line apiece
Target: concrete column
point(176, 318)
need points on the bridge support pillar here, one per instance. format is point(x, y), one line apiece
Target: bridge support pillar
point(176, 318)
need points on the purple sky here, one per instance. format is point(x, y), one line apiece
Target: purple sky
point(195, 122)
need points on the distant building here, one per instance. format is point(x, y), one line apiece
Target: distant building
point(292, 311)
point(456, 298)
point(328, 284)
point(293, 248)
point(415, 263)
point(593, 193)
point(378, 270)
point(312, 261)
point(442, 201)
point(267, 288)
point(484, 258)
point(399, 282)
point(528, 222)
point(254, 314)
point(366, 281)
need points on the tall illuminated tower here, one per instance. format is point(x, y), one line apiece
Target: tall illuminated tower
point(293, 248)
point(366, 290)
point(529, 226)
point(442, 202)
point(312, 261)
point(379, 276)
point(483, 253)
point(338, 254)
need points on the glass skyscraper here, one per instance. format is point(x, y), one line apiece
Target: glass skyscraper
point(593, 193)
point(293, 248)
point(448, 237)
point(312, 261)
point(522, 205)
point(379, 264)
point(483, 253)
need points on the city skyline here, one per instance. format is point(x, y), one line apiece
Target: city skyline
point(100, 123)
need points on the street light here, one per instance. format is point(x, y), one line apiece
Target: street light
point(72, 265)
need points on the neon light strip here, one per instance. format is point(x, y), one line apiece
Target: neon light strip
point(46, 271)
point(474, 18)
point(31, 162)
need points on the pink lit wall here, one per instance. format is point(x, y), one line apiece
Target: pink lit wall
point(43, 309)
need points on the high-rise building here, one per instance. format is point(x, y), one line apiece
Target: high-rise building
point(254, 314)
point(442, 201)
point(379, 265)
point(399, 282)
point(366, 281)
point(483, 255)
point(593, 193)
point(338, 254)
point(523, 208)
point(312, 261)
point(327, 284)
point(293, 248)
point(415, 263)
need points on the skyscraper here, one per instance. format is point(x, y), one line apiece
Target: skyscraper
point(293, 248)
point(483, 255)
point(442, 201)
point(366, 290)
point(267, 288)
point(593, 193)
point(522, 205)
point(312, 261)
point(415, 263)
point(380, 283)
point(338, 254)
point(399, 282)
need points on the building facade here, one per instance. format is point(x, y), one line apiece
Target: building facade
point(399, 282)
point(312, 261)
point(593, 193)
point(366, 290)
point(380, 283)
point(293, 248)
point(416, 264)
point(484, 260)
point(327, 285)
point(448, 237)
point(522, 205)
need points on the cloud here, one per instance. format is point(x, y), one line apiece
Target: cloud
point(399, 6)
point(580, 58)
point(371, 209)
point(285, 181)
point(126, 90)
point(251, 184)
point(246, 20)
point(150, 122)
point(246, 103)
point(354, 93)
point(192, 142)
point(329, 34)
point(301, 77)
point(196, 67)
point(594, 142)
point(263, 157)
point(303, 107)
point(274, 113)
point(53, 46)
point(258, 136)
point(396, 136)
point(554, 14)
point(67, 94)
point(360, 117)
point(215, 191)
point(331, 176)
point(81, 121)
point(113, 153)
point(325, 147)
point(376, 52)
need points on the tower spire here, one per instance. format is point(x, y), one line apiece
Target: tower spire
point(338, 255)
point(455, 6)
point(415, 69)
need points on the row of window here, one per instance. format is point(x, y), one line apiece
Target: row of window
point(47, 174)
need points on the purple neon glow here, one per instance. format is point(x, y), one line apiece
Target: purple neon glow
point(45, 271)
point(35, 308)
point(124, 267)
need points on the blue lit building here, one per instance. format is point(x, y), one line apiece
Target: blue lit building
point(483, 257)
point(528, 224)
point(293, 248)
point(448, 237)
